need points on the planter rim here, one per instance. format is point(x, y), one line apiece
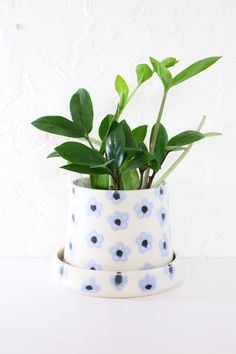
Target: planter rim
point(77, 184)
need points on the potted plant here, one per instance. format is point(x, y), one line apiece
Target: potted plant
point(118, 242)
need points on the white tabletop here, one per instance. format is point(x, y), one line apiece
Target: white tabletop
point(198, 317)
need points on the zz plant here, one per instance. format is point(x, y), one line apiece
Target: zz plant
point(121, 159)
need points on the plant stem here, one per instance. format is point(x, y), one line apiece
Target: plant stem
point(154, 136)
point(89, 141)
point(151, 178)
point(141, 178)
point(180, 158)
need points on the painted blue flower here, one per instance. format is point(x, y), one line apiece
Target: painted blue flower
point(164, 246)
point(94, 239)
point(63, 272)
point(74, 191)
point(119, 280)
point(72, 249)
point(119, 252)
point(148, 283)
point(143, 209)
point(162, 216)
point(92, 265)
point(93, 207)
point(90, 286)
point(160, 192)
point(116, 196)
point(74, 217)
point(147, 266)
point(144, 242)
point(118, 220)
point(170, 271)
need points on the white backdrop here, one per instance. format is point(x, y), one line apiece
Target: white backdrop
point(50, 48)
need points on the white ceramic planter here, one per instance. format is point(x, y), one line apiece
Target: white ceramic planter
point(118, 243)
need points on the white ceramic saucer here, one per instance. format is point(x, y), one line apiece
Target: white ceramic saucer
point(116, 284)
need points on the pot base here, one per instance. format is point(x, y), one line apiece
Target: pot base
point(114, 283)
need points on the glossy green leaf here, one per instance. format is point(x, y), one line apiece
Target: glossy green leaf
point(129, 140)
point(154, 165)
point(185, 138)
point(81, 109)
point(211, 134)
point(163, 73)
point(122, 90)
point(99, 181)
point(139, 134)
point(160, 144)
point(168, 62)
point(194, 69)
point(84, 169)
point(115, 147)
point(105, 126)
point(53, 154)
point(174, 148)
point(80, 154)
point(143, 73)
point(130, 180)
point(58, 125)
point(140, 159)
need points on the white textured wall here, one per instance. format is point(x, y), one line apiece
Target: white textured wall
point(50, 48)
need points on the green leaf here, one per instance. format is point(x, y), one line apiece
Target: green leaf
point(129, 140)
point(194, 69)
point(163, 73)
point(168, 62)
point(122, 90)
point(160, 144)
point(80, 154)
point(105, 126)
point(115, 147)
point(84, 169)
point(130, 180)
point(143, 73)
point(99, 181)
point(102, 164)
point(140, 159)
point(139, 133)
point(53, 154)
point(81, 109)
point(154, 165)
point(185, 138)
point(210, 134)
point(58, 125)
point(174, 148)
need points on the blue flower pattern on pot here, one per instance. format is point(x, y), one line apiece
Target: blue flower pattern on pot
point(119, 252)
point(148, 283)
point(73, 217)
point(94, 239)
point(143, 209)
point(90, 286)
point(93, 207)
point(118, 221)
point(160, 192)
point(144, 242)
point(92, 265)
point(147, 266)
point(63, 272)
point(116, 196)
point(119, 280)
point(162, 216)
point(170, 271)
point(72, 249)
point(164, 246)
